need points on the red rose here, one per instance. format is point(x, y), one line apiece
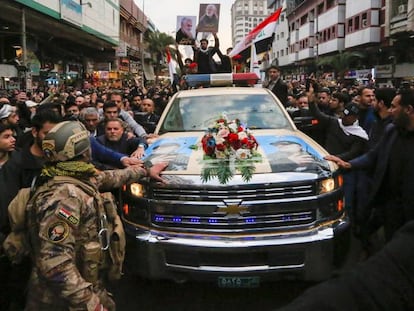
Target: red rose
point(221, 147)
point(234, 141)
point(209, 144)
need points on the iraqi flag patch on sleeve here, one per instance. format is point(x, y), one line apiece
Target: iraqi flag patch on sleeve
point(67, 215)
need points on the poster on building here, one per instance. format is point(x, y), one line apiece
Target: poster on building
point(185, 32)
point(208, 20)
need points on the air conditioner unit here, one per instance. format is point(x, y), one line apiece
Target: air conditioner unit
point(364, 23)
point(402, 9)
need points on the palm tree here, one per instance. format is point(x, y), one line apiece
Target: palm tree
point(341, 62)
point(157, 43)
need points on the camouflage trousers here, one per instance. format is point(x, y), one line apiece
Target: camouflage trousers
point(34, 304)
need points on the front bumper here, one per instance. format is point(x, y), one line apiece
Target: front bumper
point(305, 255)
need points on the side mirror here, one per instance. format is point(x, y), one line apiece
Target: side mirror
point(305, 122)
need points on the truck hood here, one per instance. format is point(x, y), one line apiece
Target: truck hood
point(284, 151)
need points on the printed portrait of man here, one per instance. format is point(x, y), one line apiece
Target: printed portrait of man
point(290, 156)
point(208, 17)
point(174, 151)
point(185, 33)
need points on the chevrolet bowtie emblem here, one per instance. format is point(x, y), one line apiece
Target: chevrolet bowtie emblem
point(232, 209)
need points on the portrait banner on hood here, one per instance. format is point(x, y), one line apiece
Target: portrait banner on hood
point(208, 20)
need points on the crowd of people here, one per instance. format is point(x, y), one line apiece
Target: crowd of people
point(59, 135)
point(366, 130)
point(368, 133)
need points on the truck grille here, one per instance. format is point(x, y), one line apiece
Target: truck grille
point(259, 209)
point(245, 193)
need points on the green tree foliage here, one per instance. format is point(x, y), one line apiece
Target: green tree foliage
point(341, 62)
point(157, 43)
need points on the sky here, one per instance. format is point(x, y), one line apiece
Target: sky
point(163, 13)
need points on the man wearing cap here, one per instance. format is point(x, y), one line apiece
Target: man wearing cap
point(344, 139)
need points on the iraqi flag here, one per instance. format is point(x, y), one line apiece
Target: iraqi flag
point(171, 65)
point(261, 35)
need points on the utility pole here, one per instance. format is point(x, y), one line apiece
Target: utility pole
point(142, 42)
point(27, 83)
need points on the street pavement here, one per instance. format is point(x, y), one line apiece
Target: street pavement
point(133, 293)
point(137, 294)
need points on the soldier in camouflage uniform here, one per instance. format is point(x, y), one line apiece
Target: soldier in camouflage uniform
point(64, 223)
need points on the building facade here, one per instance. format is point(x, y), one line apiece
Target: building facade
point(381, 29)
point(245, 15)
point(65, 39)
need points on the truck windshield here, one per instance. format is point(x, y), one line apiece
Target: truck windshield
point(198, 113)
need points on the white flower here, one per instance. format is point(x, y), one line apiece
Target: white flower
point(233, 127)
point(242, 154)
point(219, 140)
point(242, 135)
point(223, 131)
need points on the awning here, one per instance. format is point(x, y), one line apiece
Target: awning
point(8, 71)
point(149, 71)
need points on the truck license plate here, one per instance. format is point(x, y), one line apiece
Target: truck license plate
point(238, 282)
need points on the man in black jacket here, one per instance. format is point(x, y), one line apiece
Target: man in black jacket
point(391, 199)
point(275, 84)
point(203, 56)
point(383, 282)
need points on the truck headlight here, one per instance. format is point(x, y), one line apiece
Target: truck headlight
point(137, 190)
point(330, 184)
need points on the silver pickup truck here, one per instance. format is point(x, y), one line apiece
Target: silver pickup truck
point(285, 220)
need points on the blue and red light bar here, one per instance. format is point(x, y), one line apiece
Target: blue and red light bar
point(222, 79)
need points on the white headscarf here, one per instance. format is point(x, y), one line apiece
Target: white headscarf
point(6, 111)
point(353, 129)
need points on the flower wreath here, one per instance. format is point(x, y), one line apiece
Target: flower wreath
point(228, 146)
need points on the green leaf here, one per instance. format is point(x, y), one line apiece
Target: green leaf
point(224, 173)
point(207, 173)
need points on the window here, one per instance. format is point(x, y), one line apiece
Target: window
point(350, 25)
point(304, 19)
point(364, 20)
point(282, 17)
point(282, 35)
point(330, 4)
point(356, 22)
point(320, 9)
